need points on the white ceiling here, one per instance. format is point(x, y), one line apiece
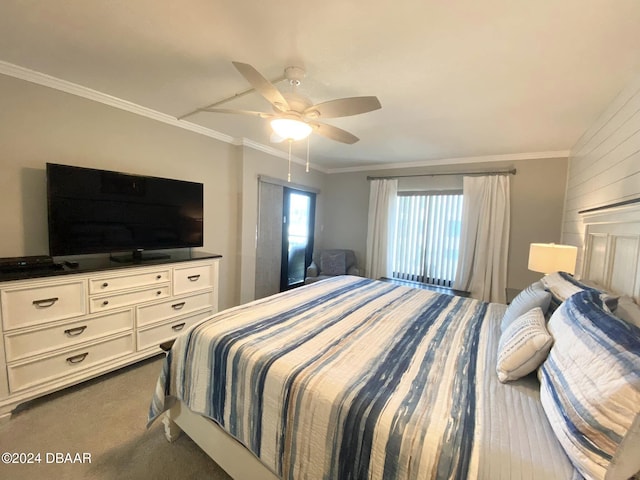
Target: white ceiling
point(460, 78)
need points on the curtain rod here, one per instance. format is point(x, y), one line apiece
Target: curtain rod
point(503, 172)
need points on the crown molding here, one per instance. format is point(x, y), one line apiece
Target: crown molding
point(453, 161)
point(55, 83)
point(45, 80)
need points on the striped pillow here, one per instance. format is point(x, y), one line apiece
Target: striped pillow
point(524, 345)
point(590, 388)
point(562, 286)
point(533, 296)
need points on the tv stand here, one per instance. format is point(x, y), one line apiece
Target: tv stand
point(139, 256)
point(62, 327)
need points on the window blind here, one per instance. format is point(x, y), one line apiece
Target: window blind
point(427, 237)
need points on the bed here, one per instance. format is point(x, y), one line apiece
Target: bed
point(355, 378)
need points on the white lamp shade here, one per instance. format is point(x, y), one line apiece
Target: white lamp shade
point(549, 257)
point(290, 129)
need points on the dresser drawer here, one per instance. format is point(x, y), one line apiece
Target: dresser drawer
point(43, 369)
point(111, 283)
point(29, 342)
point(178, 306)
point(117, 300)
point(191, 279)
point(154, 336)
point(35, 304)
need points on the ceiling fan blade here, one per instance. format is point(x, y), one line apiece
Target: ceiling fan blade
point(263, 86)
point(334, 133)
point(242, 112)
point(343, 107)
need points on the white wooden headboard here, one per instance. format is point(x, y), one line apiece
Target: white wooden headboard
point(612, 248)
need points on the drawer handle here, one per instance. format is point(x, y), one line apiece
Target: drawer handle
point(178, 327)
point(77, 358)
point(159, 292)
point(178, 306)
point(74, 332)
point(106, 302)
point(45, 302)
point(105, 285)
point(193, 278)
point(158, 277)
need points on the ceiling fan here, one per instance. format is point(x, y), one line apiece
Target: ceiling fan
point(295, 116)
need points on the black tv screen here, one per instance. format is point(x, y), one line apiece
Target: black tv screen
point(100, 211)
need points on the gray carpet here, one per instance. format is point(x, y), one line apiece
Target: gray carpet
point(105, 417)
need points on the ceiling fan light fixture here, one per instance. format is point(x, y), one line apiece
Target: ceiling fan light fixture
point(290, 129)
point(294, 116)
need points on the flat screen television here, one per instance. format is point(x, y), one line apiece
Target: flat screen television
point(94, 211)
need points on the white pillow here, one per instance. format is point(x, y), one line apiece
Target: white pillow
point(524, 345)
point(533, 296)
point(562, 286)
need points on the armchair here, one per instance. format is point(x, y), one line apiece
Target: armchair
point(330, 263)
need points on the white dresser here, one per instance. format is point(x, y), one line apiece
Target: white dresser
point(60, 330)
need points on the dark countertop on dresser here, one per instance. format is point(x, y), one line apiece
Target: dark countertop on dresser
point(98, 263)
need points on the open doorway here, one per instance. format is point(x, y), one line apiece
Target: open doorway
point(284, 240)
point(298, 222)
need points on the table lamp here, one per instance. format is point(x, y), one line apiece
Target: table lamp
point(551, 257)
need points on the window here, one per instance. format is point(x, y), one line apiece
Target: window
point(427, 237)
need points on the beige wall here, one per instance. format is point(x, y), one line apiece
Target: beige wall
point(537, 196)
point(604, 165)
point(39, 125)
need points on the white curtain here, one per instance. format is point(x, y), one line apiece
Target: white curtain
point(381, 228)
point(484, 240)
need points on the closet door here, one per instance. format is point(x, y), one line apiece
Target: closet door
point(269, 240)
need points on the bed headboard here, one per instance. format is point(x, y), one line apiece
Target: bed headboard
point(612, 248)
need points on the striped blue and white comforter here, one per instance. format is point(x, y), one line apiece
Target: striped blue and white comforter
point(354, 378)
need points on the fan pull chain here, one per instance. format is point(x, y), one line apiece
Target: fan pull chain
point(307, 167)
point(289, 172)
